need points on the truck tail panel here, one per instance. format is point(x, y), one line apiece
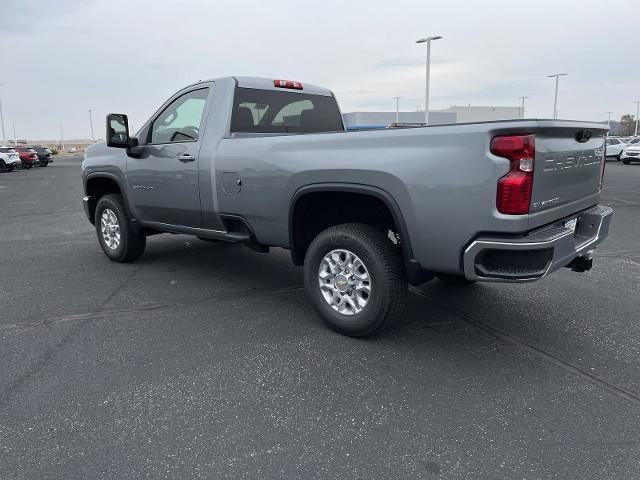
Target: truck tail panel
point(569, 163)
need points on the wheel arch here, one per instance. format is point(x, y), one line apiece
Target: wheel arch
point(98, 184)
point(377, 193)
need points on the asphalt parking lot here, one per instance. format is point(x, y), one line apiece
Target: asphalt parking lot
point(205, 360)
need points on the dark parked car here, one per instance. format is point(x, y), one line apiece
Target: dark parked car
point(45, 157)
point(28, 156)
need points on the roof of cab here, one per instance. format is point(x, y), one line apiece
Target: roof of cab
point(267, 84)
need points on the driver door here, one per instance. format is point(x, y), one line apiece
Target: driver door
point(163, 182)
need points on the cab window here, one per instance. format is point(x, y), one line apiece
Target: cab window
point(272, 111)
point(180, 121)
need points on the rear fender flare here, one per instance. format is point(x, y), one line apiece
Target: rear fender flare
point(376, 192)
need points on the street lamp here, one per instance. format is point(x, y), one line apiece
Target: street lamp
point(609, 120)
point(91, 124)
point(555, 98)
point(4, 135)
point(637, 102)
point(397, 99)
point(15, 138)
point(427, 40)
point(522, 107)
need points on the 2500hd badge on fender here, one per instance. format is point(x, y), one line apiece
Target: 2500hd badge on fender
point(269, 163)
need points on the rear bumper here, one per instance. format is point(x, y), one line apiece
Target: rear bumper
point(542, 251)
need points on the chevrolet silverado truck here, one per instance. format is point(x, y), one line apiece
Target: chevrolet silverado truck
point(268, 163)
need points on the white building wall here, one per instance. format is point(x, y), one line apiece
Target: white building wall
point(384, 119)
point(467, 114)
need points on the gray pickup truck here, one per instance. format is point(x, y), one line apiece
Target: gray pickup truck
point(268, 163)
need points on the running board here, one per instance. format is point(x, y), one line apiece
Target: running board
point(225, 236)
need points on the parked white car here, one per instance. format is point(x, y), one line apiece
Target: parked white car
point(9, 159)
point(615, 147)
point(631, 154)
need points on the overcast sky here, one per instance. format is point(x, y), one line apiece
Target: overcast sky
point(62, 57)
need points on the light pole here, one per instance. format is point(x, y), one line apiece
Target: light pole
point(91, 125)
point(555, 97)
point(397, 99)
point(4, 135)
point(522, 107)
point(427, 40)
point(62, 137)
point(15, 139)
point(637, 102)
point(609, 120)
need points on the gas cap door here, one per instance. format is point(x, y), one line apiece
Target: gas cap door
point(231, 182)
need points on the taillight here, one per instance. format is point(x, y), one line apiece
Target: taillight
point(514, 189)
point(287, 84)
point(603, 162)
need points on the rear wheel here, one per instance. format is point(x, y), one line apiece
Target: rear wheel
point(27, 165)
point(3, 166)
point(356, 279)
point(626, 161)
point(44, 163)
point(453, 279)
point(120, 240)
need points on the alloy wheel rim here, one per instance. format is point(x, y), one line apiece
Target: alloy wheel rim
point(344, 282)
point(110, 228)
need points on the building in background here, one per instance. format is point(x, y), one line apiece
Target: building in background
point(384, 119)
point(77, 143)
point(453, 114)
point(468, 113)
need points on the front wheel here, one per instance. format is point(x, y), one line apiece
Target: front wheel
point(27, 165)
point(44, 163)
point(120, 240)
point(3, 166)
point(626, 161)
point(356, 279)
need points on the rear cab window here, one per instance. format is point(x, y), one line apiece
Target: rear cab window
point(272, 111)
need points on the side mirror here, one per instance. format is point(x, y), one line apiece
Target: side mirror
point(117, 130)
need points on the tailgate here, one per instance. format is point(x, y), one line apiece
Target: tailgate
point(569, 159)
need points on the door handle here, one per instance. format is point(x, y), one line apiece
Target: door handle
point(186, 158)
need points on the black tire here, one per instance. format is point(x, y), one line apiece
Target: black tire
point(626, 161)
point(9, 168)
point(27, 165)
point(453, 279)
point(132, 240)
point(44, 163)
point(383, 261)
point(3, 166)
